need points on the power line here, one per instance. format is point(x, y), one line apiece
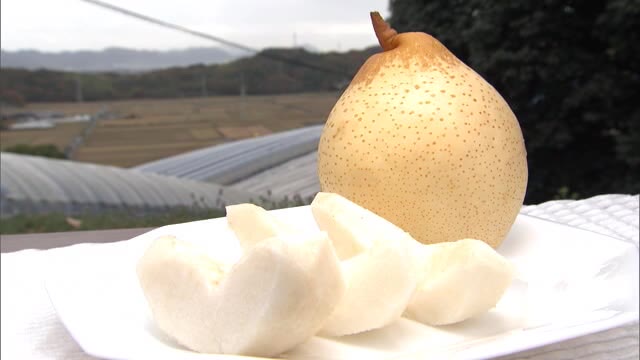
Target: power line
point(170, 25)
point(217, 39)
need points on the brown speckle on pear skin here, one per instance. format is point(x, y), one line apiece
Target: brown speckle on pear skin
point(434, 148)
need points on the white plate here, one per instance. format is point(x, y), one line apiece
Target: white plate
point(570, 283)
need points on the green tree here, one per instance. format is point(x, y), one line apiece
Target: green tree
point(46, 150)
point(11, 97)
point(569, 70)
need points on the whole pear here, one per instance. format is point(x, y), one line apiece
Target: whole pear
point(422, 140)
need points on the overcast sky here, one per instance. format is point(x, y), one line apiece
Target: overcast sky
point(57, 25)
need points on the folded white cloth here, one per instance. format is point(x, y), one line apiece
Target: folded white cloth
point(31, 329)
point(615, 215)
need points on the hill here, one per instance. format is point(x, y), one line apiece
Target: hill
point(272, 71)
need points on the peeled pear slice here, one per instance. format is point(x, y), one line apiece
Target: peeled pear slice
point(377, 264)
point(252, 224)
point(276, 296)
point(458, 280)
point(352, 227)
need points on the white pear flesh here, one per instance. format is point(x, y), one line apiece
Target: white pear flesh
point(458, 280)
point(275, 297)
point(352, 227)
point(377, 264)
point(252, 224)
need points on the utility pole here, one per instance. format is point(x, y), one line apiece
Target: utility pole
point(243, 85)
point(243, 97)
point(78, 89)
point(203, 83)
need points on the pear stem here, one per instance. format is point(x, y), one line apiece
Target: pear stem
point(384, 32)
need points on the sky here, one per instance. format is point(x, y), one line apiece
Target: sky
point(64, 25)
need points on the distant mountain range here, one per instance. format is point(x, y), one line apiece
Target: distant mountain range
point(115, 59)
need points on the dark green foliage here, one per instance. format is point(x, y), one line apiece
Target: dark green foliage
point(21, 224)
point(47, 150)
point(569, 70)
point(120, 219)
point(11, 97)
point(272, 204)
point(38, 223)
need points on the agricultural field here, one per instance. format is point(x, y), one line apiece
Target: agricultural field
point(60, 136)
point(146, 130)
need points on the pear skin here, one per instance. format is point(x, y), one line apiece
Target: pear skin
point(422, 140)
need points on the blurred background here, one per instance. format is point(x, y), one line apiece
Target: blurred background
point(143, 113)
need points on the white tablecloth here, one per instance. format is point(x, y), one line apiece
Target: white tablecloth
point(31, 329)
